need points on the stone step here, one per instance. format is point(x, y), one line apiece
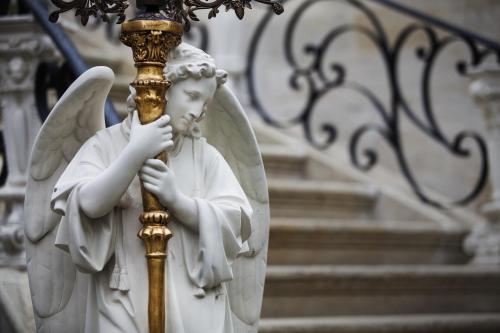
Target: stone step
point(441, 323)
point(316, 199)
point(283, 162)
point(326, 290)
point(319, 242)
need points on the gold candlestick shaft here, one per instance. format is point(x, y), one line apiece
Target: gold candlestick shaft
point(151, 40)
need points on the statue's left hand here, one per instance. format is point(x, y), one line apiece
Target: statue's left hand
point(159, 180)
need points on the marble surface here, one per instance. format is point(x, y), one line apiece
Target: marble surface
point(15, 301)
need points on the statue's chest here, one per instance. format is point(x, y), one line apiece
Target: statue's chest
point(186, 172)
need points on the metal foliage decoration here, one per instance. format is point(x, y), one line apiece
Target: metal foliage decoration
point(87, 8)
point(238, 6)
point(174, 9)
point(322, 75)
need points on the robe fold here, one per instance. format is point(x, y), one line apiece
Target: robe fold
point(198, 262)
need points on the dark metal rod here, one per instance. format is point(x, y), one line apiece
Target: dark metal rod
point(67, 48)
point(438, 23)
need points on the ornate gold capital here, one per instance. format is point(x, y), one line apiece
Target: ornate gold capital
point(151, 40)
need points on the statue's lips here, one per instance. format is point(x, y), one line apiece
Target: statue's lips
point(187, 120)
point(183, 124)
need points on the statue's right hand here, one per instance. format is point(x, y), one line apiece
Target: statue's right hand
point(150, 140)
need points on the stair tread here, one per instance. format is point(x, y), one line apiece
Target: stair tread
point(307, 187)
point(310, 184)
point(326, 290)
point(369, 226)
point(297, 241)
point(455, 322)
point(291, 272)
point(281, 151)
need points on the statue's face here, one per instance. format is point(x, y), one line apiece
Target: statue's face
point(187, 100)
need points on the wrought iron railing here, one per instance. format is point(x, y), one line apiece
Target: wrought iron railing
point(321, 75)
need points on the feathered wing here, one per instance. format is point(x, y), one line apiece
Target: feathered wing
point(77, 116)
point(227, 128)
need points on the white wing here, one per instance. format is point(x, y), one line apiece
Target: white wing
point(227, 128)
point(77, 116)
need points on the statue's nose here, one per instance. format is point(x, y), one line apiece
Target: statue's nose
point(195, 113)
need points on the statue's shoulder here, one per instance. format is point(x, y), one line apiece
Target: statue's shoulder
point(105, 140)
point(202, 141)
point(111, 132)
point(209, 151)
point(108, 134)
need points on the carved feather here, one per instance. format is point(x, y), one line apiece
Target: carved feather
point(77, 116)
point(227, 128)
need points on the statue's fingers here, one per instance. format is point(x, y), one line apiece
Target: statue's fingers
point(163, 120)
point(166, 137)
point(151, 188)
point(150, 172)
point(165, 131)
point(148, 179)
point(155, 164)
point(167, 144)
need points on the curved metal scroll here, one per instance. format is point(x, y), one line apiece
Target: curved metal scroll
point(318, 79)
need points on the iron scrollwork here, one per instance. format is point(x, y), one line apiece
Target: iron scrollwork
point(318, 82)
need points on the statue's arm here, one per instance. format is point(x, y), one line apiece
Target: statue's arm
point(223, 189)
point(159, 179)
point(101, 194)
point(185, 209)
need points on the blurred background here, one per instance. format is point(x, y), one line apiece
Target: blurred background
point(379, 126)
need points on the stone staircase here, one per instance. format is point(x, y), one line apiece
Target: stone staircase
point(349, 256)
point(342, 258)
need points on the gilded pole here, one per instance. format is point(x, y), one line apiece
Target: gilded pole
point(151, 37)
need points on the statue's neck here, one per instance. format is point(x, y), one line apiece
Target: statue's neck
point(178, 143)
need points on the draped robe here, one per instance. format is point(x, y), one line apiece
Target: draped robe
point(107, 248)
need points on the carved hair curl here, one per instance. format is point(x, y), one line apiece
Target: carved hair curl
point(187, 61)
point(181, 72)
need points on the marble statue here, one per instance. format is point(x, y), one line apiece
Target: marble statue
point(86, 264)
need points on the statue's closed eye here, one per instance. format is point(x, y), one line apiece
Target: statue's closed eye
point(193, 95)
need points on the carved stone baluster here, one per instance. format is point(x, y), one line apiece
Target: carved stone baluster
point(484, 241)
point(22, 47)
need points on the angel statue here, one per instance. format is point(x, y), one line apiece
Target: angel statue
point(86, 265)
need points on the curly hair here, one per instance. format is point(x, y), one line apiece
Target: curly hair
point(186, 61)
point(196, 71)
